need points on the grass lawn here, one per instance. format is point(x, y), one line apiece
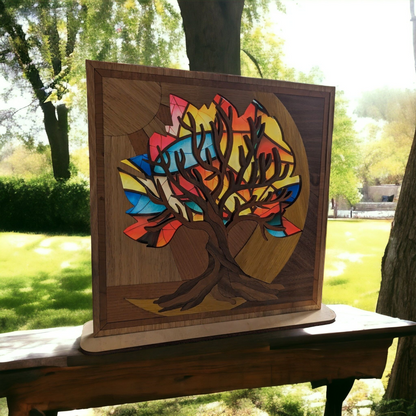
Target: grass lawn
point(45, 281)
point(354, 249)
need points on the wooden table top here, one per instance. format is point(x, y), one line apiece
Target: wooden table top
point(59, 347)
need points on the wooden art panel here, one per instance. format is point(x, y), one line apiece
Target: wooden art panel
point(208, 196)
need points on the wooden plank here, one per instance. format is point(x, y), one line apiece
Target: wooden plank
point(100, 385)
point(35, 348)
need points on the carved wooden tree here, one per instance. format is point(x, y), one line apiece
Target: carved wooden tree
point(211, 171)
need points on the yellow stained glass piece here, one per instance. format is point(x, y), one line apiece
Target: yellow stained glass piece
point(130, 183)
point(128, 163)
point(286, 182)
point(272, 130)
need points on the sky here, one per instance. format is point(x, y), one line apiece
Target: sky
point(359, 45)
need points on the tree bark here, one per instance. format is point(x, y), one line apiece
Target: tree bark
point(212, 47)
point(56, 127)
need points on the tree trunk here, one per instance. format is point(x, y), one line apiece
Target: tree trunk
point(398, 273)
point(56, 127)
point(398, 289)
point(223, 279)
point(335, 208)
point(212, 47)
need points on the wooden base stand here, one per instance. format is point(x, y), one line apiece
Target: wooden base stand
point(171, 335)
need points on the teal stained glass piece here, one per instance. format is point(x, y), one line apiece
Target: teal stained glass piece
point(194, 207)
point(186, 146)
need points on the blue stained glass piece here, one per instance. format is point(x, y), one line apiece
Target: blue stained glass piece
point(146, 206)
point(142, 162)
point(295, 192)
point(276, 233)
point(186, 146)
point(194, 207)
point(133, 197)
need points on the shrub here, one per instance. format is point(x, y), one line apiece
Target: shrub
point(44, 205)
point(399, 407)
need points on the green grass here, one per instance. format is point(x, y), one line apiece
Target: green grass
point(354, 250)
point(45, 281)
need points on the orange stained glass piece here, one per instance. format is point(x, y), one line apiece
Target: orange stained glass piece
point(245, 194)
point(197, 217)
point(266, 146)
point(241, 124)
point(167, 232)
point(137, 230)
point(267, 210)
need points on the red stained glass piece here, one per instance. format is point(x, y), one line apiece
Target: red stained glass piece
point(290, 228)
point(158, 140)
point(135, 231)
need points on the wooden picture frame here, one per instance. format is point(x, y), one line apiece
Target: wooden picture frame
point(134, 141)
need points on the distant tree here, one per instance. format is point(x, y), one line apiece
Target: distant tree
point(344, 182)
point(43, 46)
point(262, 55)
point(35, 51)
point(398, 290)
point(386, 152)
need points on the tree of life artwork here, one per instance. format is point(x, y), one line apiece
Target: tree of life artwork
point(213, 170)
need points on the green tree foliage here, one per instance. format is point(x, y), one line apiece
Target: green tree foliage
point(43, 46)
point(262, 51)
point(344, 181)
point(146, 32)
point(25, 162)
point(37, 42)
point(390, 137)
